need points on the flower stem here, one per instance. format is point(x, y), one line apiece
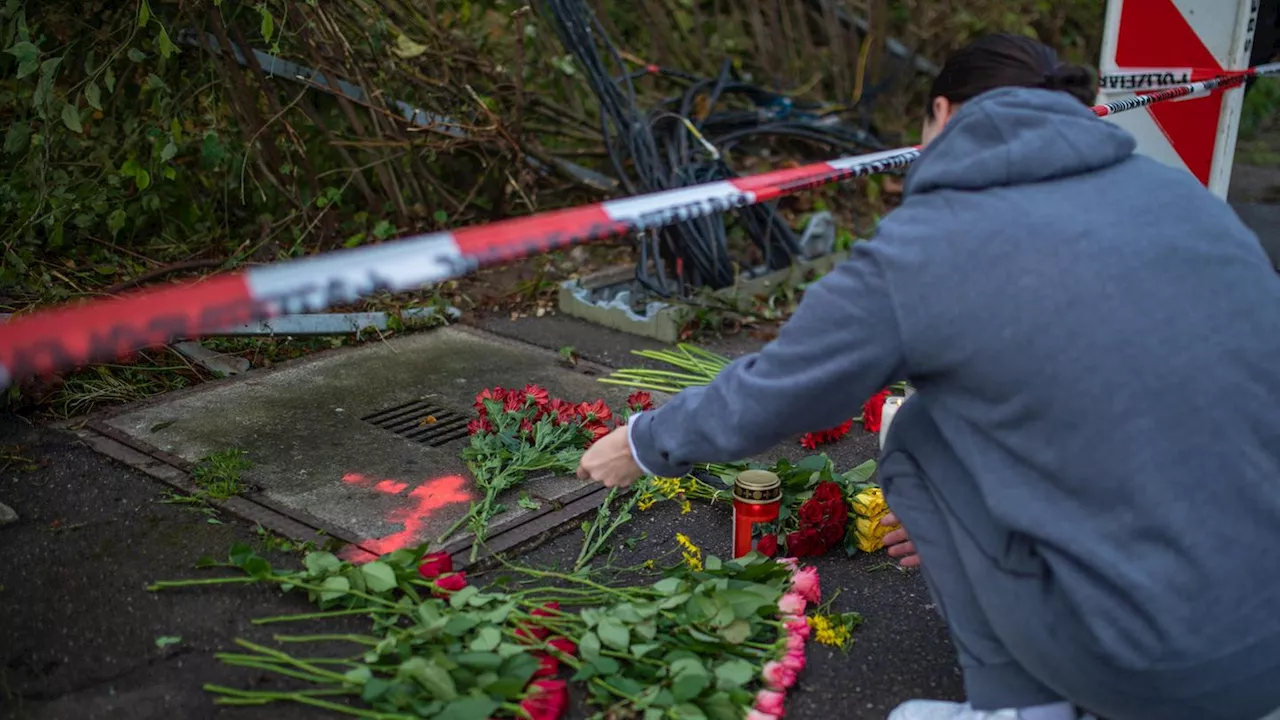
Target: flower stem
point(358, 639)
point(169, 584)
point(313, 616)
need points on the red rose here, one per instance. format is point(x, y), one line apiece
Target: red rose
point(435, 564)
point(832, 533)
point(547, 666)
point(551, 609)
point(804, 543)
point(546, 699)
point(812, 512)
point(564, 645)
point(453, 582)
point(872, 410)
point(828, 492)
point(532, 632)
point(768, 545)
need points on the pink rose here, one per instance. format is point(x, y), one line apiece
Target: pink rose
point(795, 643)
point(805, 582)
point(789, 562)
point(798, 627)
point(793, 661)
point(770, 701)
point(757, 715)
point(792, 604)
point(777, 676)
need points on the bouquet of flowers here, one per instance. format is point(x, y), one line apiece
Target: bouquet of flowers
point(520, 433)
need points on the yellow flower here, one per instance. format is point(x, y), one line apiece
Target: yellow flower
point(692, 553)
point(870, 532)
point(649, 564)
point(685, 507)
point(667, 486)
point(830, 633)
point(645, 501)
point(869, 502)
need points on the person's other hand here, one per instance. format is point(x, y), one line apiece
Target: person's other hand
point(609, 461)
point(899, 543)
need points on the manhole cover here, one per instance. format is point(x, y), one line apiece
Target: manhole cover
point(421, 422)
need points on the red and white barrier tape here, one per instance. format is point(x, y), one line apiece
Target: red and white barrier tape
point(99, 330)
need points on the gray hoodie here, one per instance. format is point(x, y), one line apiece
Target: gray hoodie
point(1098, 339)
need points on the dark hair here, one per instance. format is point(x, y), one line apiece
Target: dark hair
point(997, 61)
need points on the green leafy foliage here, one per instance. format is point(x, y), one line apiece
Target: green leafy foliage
point(679, 642)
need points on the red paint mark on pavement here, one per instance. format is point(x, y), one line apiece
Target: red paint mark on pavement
point(391, 487)
point(428, 497)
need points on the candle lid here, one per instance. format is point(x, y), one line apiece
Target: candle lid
point(757, 487)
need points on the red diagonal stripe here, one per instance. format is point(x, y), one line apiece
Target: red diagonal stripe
point(1154, 34)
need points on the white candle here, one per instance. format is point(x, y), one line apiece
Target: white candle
point(891, 405)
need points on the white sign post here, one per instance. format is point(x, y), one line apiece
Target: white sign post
point(1151, 44)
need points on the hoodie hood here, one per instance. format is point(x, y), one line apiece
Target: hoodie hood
point(1016, 136)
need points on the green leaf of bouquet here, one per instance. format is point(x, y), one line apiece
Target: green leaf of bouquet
point(668, 586)
point(589, 647)
point(736, 632)
point(614, 633)
point(334, 588)
point(674, 601)
point(321, 563)
point(431, 677)
point(378, 577)
point(487, 639)
point(734, 673)
point(689, 679)
point(459, 599)
point(472, 707)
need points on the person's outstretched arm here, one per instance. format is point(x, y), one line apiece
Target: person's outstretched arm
point(840, 346)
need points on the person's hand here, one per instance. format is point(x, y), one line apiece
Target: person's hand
point(899, 543)
point(609, 461)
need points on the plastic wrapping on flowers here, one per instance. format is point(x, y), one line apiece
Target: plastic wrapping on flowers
point(703, 638)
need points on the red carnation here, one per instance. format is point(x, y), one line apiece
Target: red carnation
point(515, 402)
point(768, 545)
point(872, 410)
point(596, 432)
point(547, 699)
point(479, 425)
point(435, 564)
point(640, 400)
point(526, 427)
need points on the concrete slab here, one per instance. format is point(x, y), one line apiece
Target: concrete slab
point(309, 429)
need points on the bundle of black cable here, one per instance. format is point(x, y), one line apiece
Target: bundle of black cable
point(667, 148)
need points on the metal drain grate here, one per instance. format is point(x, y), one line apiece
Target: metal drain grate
point(422, 422)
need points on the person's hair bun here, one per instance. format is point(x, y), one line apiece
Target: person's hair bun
point(1073, 79)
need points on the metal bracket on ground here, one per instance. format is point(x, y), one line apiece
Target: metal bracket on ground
point(606, 298)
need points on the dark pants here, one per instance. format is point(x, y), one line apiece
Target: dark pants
point(1019, 643)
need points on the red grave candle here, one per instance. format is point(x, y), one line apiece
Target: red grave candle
point(757, 497)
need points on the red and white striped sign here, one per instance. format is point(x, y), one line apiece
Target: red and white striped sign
point(1152, 44)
